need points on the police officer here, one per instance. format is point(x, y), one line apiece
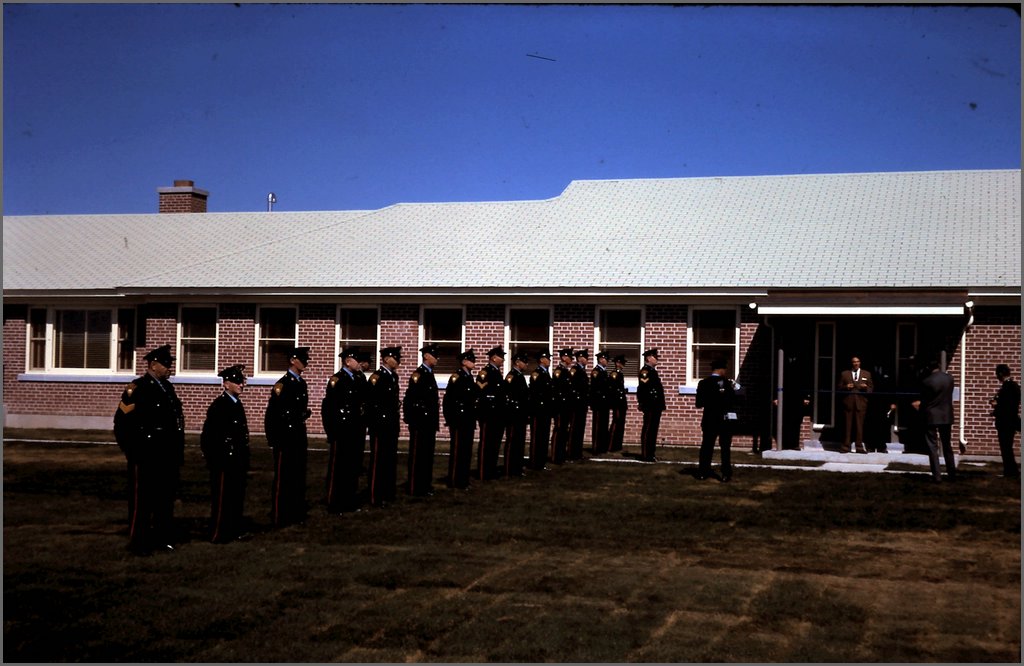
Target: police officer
point(149, 426)
point(716, 394)
point(459, 405)
point(563, 405)
point(342, 412)
point(517, 414)
point(581, 400)
point(491, 414)
point(600, 391)
point(540, 411)
point(650, 398)
point(382, 413)
point(421, 412)
point(285, 425)
point(618, 403)
point(225, 445)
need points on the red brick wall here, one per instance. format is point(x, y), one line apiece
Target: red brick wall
point(994, 338)
point(182, 202)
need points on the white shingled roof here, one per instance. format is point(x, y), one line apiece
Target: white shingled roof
point(944, 229)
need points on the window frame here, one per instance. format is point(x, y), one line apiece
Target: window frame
point(49, 341)
point(179, 355)
point(338, 338)
point(259, 370)
point(693, 373)
point(508, 341)
point(632, 380)
point(442, 375)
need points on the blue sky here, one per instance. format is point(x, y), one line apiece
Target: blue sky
point(336, 107)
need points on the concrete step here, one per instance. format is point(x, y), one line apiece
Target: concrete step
point(851, 460)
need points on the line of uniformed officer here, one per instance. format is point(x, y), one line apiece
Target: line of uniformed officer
point(149, 427)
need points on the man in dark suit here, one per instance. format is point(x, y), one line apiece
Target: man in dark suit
point(149, 426)
point(284, 422)
point(540, 412)
point(382, 414)
point(459, 406)
point(650, 399)
point(517, 415)
point(225, 446)
point(422, 414)
point(1006, 410)
point(342, 412)
point(716, 395)
point(855, 384)
point(936, 404)
point(600, 389)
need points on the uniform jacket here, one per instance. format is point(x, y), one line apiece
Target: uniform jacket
point(492, 393)
point(287, 410)
point(580, 384)
point(600, 388)
point(717, 396)
point(149, 424)
point(650, 394)
point(343, 403)
point(562, 394)
point(420, 406)
point(616, 388)
point(382, 405)
point(225, 437)
point(460, 398)
point(937, 399)
point(1007, 407)
point(541, 399)
point(517, 396)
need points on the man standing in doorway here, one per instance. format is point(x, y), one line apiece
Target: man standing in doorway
point(856, 385)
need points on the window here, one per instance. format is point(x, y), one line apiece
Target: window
point(621, 332)
point(443, 327)
point(93, 340)
point(714, 334)
point(276, 338)
point(198, 336)
point(825, 378)
point(126, 339)
point(37, 339)
point(82, 339)
point(357, 327)
point(529, 331)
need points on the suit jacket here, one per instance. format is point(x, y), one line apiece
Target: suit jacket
point(1007, 406)
point(937, 399)
point(857, 396)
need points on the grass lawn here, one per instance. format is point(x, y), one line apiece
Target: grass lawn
point(583, 563)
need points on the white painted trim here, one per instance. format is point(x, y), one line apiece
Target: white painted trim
point(832, 310)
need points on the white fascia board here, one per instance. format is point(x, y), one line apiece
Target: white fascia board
point(840, 310)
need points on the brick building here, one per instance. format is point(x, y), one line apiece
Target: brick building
point(781, 275)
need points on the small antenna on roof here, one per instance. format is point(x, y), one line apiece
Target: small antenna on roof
point(271, 200)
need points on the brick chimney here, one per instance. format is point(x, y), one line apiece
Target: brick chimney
point(184, 197)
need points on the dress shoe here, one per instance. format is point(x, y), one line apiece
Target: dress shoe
point(844, 449)
point(165, 548)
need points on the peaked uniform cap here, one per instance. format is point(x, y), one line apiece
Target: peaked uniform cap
point(161, 355)
point(393, 352)
point(566, 352)
point(468, 354)
point(301, 353)
point(496, 351)
point(431, 349)
point(350, 352)
point(234, 373)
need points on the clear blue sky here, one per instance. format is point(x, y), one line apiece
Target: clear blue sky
point(337, 107)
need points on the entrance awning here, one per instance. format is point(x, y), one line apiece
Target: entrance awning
point(876, 310)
